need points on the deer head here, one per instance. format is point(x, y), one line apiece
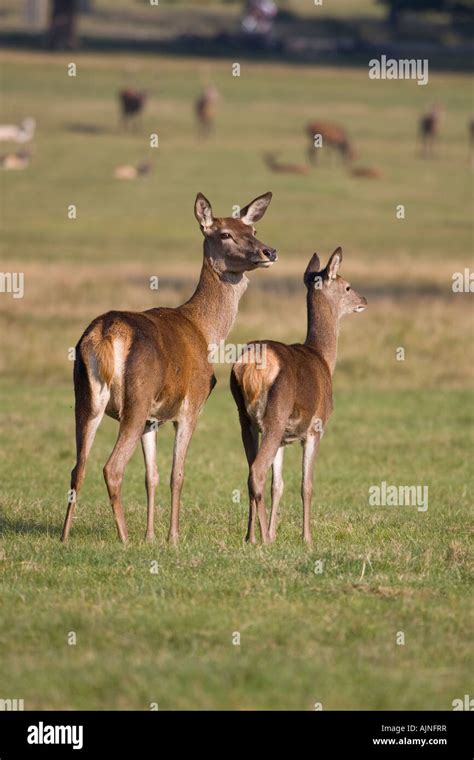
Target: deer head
point(231, 244)
point(329, 285)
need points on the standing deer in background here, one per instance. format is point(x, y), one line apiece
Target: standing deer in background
point(470, 129)
point(205, 108)
point(331, 135)
point(151, 367)
point(132, 103)
point(287, 396)
point(429, 130)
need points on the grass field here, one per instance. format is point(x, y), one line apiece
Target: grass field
point(306, 637)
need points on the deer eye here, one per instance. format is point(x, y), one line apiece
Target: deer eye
point(347, 288)
point(225, 236)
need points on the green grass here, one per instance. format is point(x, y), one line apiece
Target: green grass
point(305, 637)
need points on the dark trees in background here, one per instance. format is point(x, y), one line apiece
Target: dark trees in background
point(457, 8)
point(62, 24)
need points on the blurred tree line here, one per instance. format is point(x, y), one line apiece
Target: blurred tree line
point(458, 9)
point(63, 14)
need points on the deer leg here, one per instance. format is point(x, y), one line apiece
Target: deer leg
point(91, 400)
point(310, 449)
point(86, 428)
point(250, 441)
point(258, 474)
point(278, 409)
point(152, 478)
point(249, 433)
point(277, 490)
point(184, 431)
point(130, 432)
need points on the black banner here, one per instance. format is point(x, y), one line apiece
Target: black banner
point(373, 734)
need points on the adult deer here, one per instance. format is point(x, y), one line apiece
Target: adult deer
point(147, 368)
point(331, 135)
point(288, 395)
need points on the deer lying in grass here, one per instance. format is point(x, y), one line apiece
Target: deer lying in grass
point(331, 135)
point(151, 367)
point(288, 395)
point(22, 133)
point(128, 171)
point(367, 172)
point(277, 166)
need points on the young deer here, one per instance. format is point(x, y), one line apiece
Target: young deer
point(147, 368)
point(332, 135)
point(288, 396)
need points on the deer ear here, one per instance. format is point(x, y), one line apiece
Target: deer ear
point(255, 209)
point(334, 263)
point(313, 268)
point(203, 212)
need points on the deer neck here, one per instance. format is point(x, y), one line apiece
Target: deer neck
point(323, 328)
point(214, 304)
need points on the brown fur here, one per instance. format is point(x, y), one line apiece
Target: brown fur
point(292, 399)
point(103, 349)
point(147, 368)
point(333, 136)
point(256, 378)
point(369, 172)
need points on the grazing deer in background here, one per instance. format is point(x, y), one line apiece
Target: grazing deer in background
point(429, 130)
point(287, 396)
point(132, 103)
point(332, 135)
point(276, 166)
point(151, 367)
point(205, 108)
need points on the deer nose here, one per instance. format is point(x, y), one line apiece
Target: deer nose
point(270, 253)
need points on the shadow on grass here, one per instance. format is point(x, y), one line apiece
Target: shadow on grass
point(87, 129)
point(34, 527)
